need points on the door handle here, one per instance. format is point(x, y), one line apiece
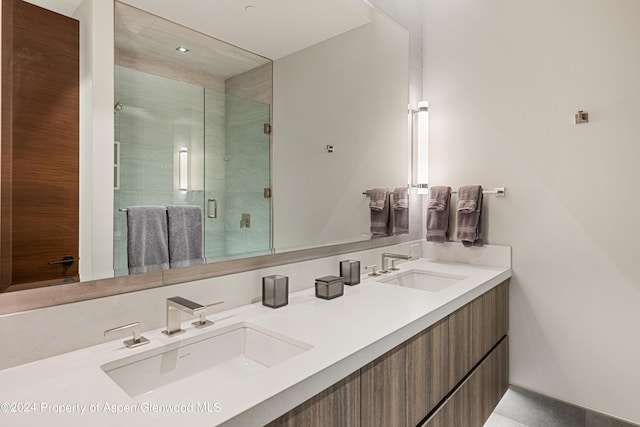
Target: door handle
point(68, 260)
point(212, 213)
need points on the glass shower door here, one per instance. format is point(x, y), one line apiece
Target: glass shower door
point(238, 177)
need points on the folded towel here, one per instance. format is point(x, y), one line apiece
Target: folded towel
point(147, 239)
point(401, 198)
point(379, 206)
point(378, 199)
point(438, 214)
point(470, 215)
point(401, 210)
point(185, 235)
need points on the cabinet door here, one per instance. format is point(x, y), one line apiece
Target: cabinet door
point(427, 356)
point(337, 406)
point(472, 403)
point(475, 329)
point(40, 147)
point(383, 399)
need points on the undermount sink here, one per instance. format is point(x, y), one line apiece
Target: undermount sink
point(237, 350)
point(424, 280)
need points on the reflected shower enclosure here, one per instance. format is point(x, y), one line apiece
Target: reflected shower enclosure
point(178, 143)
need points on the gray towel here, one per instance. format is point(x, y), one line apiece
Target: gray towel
point(438, 214)
point(470, 215)
point(401, 210)
point(185, 235)
point(147, 239)
point(379, 206)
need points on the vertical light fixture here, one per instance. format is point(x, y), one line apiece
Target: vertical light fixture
point(183, 169)
point(420, 148)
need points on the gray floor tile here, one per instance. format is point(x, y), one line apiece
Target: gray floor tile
point(535, 410)
point(496, 420)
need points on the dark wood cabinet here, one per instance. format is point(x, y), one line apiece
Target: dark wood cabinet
point(452, 374)
point(39, 161)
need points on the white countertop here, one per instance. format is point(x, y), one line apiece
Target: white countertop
point(346, 333)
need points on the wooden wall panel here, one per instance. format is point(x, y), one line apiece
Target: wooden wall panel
point(40, 144)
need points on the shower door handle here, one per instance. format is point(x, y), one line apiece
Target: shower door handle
point(212, 208)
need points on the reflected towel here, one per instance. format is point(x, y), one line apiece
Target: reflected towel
point(379, 206)
point(438, 214)
point(401, 210)
point(147, 239)
point(470, 215)
point(185, 235)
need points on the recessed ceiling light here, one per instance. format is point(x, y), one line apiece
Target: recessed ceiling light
point(182, 49)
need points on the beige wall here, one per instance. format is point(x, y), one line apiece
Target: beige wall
point(504, 79)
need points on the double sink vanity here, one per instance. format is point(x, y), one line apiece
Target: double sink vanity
point(404, 348)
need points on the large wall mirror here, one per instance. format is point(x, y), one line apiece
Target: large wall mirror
point(333, 91)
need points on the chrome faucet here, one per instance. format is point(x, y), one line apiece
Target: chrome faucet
point(386, 256)
point(176, 305)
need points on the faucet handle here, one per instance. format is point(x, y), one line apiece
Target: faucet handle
point(137, 339)
point(373, 270)
point(203, 321)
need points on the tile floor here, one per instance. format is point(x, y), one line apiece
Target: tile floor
point(523, 408)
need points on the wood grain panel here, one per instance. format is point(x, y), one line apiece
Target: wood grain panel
point(460, 356)
point(485, 385)
point(40, 143)
point(337, 406)
point(476, 328)
point(383, 390)
point(476, 398)
point(427, 356)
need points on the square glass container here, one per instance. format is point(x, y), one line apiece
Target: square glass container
point(329, 287)
point(275, 291)
point(350, 272)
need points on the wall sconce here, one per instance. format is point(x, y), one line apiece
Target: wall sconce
point(420, 147)
point(183, 169)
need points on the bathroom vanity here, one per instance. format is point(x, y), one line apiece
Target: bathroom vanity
point(452, 373)
point(422, 346)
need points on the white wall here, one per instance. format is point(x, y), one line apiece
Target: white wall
point(503, 79)
point(363, 115)
point(96, 138)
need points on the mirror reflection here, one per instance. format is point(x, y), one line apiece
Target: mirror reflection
point(191, 129)
point(175, 125)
